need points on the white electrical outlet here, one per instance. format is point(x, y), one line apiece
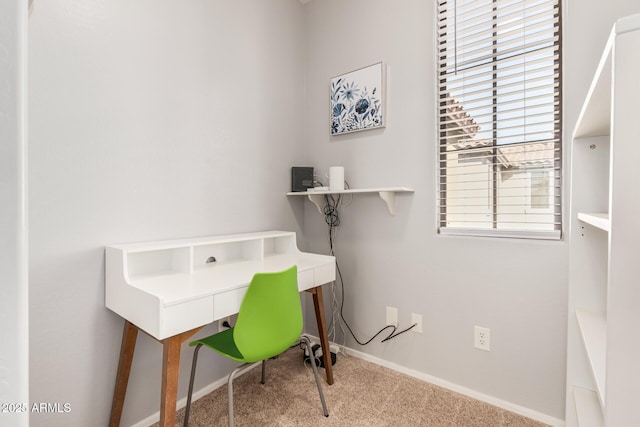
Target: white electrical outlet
point(221, 326)
point(416, 319)
point(392, 316)
point(482, 338)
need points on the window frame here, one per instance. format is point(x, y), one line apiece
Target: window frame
point(555, 172)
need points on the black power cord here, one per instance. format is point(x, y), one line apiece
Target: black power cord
point(332, 218)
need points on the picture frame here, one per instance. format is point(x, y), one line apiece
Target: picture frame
point(358, 100)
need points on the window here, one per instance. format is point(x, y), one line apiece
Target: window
point(499, 117)
point(540, 189)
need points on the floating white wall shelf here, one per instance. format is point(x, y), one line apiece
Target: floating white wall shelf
point(387, 194)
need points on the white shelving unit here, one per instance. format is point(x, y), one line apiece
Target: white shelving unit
point(603, 349)
point(387, 194)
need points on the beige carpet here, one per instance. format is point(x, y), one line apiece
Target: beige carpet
point(364, 394)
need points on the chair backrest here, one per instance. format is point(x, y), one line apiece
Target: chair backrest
point(270, 316)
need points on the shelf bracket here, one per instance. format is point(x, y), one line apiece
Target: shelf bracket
point(389, 197)
point(318, 200)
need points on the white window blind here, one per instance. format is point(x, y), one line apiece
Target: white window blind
point(499, 116)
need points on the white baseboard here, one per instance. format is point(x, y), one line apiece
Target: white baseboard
point(512, 407)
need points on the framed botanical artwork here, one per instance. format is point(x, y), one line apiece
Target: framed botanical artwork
point(357, 100)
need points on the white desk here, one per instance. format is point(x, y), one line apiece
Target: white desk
point(168, 290)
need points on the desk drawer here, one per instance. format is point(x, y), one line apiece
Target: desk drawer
point(305, 280)
point(179, 318)
point(228, 303)
point(324, 274)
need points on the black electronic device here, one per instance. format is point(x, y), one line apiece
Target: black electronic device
point(301, 178)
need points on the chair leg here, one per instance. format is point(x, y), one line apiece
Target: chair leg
point(230, 390)
point(264, 362)
point(193, 375)
point(230, 399)
point(315, 374)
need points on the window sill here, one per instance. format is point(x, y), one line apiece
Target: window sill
point(513, 234)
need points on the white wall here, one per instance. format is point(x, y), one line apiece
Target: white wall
point(14, 309)
point(149, 120)
point(518, 289)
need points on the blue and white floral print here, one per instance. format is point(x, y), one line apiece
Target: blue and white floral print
point(356, 102)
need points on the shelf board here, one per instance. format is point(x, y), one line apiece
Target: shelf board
point(595, 117)
point(597, 219)
point(593, 328)
point(387, 194)
point(627, 24)
point(588, 408)
point(353, 191)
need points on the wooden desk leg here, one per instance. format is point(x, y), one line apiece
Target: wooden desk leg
point(170, 371)
point(129, 335)
point(318, 305)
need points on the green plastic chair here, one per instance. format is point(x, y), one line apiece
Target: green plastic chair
point(269, 322)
